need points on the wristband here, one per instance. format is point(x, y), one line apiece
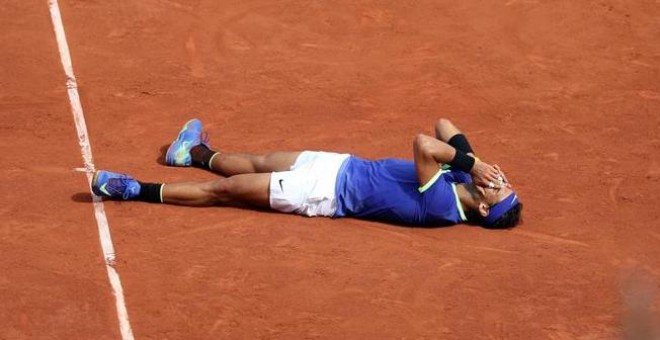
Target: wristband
point(460, 142)
point(462, 161)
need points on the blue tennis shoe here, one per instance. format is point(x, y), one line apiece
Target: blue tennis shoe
point(178, 154)
point(114, 185)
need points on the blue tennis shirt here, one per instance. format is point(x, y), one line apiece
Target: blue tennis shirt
point(388, 190)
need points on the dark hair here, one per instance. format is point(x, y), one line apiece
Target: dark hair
point(509, 220)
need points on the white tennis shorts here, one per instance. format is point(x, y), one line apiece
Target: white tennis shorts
point(309, 187)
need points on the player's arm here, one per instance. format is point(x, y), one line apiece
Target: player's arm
point(447, 132)
point(430, 153)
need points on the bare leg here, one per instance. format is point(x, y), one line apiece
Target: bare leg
point(229, 164)
point(250, 189)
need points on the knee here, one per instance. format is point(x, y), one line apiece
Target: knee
point(221, 189)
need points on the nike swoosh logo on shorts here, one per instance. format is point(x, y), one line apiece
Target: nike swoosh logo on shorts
point(281, 187)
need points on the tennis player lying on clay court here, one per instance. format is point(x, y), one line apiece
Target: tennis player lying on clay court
point(444, 185)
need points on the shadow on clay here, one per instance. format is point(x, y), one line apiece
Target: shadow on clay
point(82, 197)
point(161, 156)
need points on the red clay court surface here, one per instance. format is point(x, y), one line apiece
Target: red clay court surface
point(564, 95)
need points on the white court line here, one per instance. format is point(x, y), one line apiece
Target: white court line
point(86, 151)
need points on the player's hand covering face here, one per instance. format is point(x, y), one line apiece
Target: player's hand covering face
point(493, 194)
point(487, 176)
point(504, 181)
